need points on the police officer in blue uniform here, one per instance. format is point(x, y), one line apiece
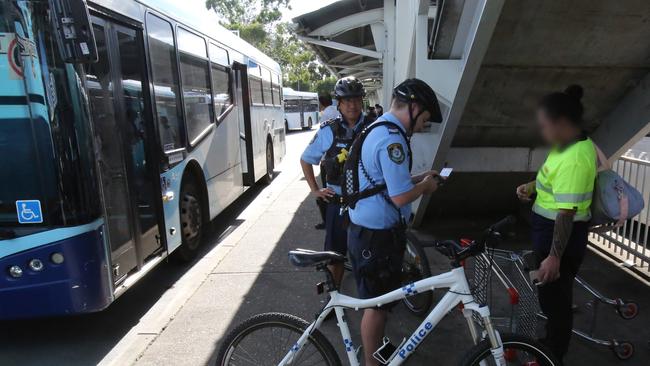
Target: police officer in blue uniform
point(329, 148)
point(379, 213)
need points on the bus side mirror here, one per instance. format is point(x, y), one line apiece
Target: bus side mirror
point(73, 29)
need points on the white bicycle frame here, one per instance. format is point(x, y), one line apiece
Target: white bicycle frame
point(459, 293)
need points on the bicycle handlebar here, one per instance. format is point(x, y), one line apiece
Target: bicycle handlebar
point(503, 223)
point(458, 253)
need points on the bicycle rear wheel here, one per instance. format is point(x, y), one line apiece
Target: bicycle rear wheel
point(519, 350)
point(415, 266)
point(265, 339)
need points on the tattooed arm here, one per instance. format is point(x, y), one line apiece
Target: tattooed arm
point(562, 232)
point(549, 270)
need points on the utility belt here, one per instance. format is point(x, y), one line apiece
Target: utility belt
point(380, 252)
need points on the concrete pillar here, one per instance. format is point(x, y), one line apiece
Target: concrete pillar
point(627, 123)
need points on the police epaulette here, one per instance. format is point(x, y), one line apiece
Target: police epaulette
point(328, 122)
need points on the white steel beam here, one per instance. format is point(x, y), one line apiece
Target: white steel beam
point(627, 123)
point(352, 70)
point(389, 51)
point(406, 12)
point(379, 35)
point(349, 22)
point(343, 47)
point(373, 63)
point(485, 15)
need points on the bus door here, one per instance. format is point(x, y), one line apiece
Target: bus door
point(122, 134)
point(245, 129)
point(301, 109)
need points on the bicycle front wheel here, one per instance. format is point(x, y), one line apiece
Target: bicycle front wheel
point(265, 339)
point(519, 350)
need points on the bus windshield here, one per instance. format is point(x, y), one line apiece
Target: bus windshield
point(46, 160)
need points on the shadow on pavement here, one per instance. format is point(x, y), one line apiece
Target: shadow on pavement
point(279, 287)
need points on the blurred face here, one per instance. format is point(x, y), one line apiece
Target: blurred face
point(351, 108)
point(549, 128)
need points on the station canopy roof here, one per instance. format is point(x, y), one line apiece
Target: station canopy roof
point(343, 35)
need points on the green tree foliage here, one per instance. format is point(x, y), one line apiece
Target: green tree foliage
point(258, 22)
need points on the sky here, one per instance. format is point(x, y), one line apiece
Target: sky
point(300, 7)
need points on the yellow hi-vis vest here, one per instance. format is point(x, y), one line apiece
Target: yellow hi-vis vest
point(566, 181)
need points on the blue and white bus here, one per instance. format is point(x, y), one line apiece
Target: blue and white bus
point(125, 127)
point(300, 109)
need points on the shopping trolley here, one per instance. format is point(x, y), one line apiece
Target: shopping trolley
point(519, 312)
point(489, 274)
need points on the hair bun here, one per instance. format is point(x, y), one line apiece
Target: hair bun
point(575, 91)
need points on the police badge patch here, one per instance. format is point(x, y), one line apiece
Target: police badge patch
point(396, 153)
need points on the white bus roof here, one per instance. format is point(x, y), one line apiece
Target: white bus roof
point(289, 93)
point(194, 14)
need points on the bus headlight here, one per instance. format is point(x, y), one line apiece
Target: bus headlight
point(36, 265)
point(57, 258)
point(15, 271)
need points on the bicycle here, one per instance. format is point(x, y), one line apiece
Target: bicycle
point(303, 341)
point(415, 266)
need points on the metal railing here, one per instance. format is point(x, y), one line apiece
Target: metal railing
point(629, 243)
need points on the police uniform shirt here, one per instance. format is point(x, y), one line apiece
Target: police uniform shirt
point(321, 142)
point(384, 155)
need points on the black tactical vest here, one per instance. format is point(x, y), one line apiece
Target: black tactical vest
point(336, 155)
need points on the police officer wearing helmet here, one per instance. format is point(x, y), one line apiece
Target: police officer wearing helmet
point(386, 188)
point(329, 148)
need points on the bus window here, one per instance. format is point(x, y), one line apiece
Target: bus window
point(292, 106)
point(221, 88)
point(165, 80)
point(310, 105)
point(191, 43)
point(266, 87)
point(278, 92)
point(255, 82)
point(275, 88)
point(256, 90)
point(218, 55)
point(195, 77)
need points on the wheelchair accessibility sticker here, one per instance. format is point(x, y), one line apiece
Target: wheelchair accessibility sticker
point(29, 212)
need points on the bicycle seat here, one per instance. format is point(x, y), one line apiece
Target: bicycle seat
point(306, 258)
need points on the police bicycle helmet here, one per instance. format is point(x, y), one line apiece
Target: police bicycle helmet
point(349, 87)
point(417, 91)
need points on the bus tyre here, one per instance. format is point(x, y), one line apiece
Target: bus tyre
point(286, 126)
point(270, 163)
point(309, 124)
point(192, 222)
point(249, 343)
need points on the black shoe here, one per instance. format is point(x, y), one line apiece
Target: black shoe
point(320, 226)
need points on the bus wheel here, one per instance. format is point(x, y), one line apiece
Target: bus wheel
point(286, 126)
point(270, 164)
point(309, 124)
point(192, 222)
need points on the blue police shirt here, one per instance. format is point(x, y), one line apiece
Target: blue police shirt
point(384, 155)
point(321, 142)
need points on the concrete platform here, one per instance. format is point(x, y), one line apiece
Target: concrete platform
point(255, 276)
